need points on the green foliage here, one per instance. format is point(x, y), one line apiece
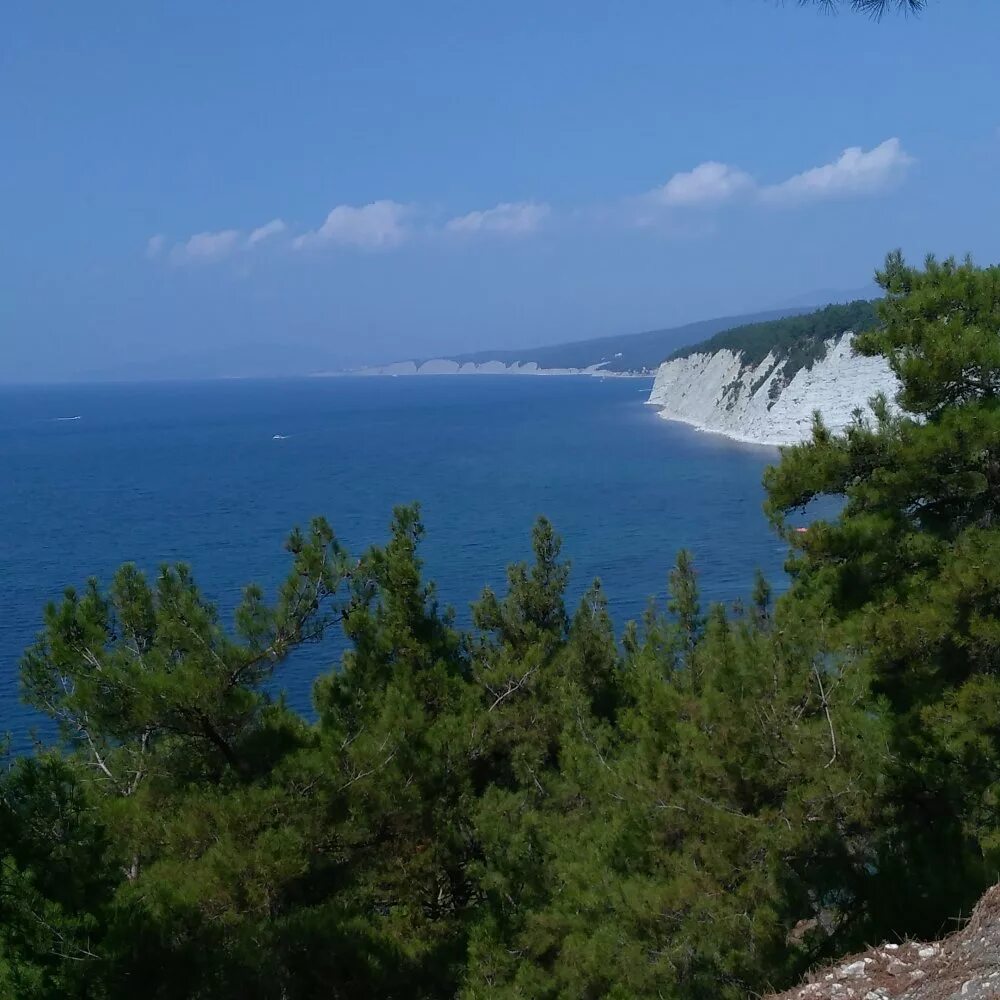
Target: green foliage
point(708, 805)
point(908, 575)
point(796, 341)
point(56, 882)
point(530, 808)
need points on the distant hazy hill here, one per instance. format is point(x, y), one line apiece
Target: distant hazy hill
point(631, 352)
point(634, 352)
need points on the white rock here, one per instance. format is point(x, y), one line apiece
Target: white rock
point(854, 969)
point(715, 392)
point(439, 366)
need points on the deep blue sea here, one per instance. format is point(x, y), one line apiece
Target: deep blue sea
point(192, 471)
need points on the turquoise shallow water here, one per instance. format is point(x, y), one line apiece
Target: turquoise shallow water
point(193, 472)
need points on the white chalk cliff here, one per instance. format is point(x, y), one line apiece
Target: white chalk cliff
point(721, 393)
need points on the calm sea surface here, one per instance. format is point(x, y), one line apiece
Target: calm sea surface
point(193, 472)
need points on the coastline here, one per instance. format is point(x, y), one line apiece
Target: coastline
point(755, 404)
point(743, 439)
point(439, 366)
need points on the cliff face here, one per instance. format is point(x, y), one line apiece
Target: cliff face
point(720, 392)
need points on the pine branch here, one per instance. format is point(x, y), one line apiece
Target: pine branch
point(875, 9)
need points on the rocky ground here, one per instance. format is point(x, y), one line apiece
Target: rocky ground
point(965, 966)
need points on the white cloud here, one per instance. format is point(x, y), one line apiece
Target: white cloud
point(214, 246)
point(710, 183)
point(273, 228)
point(509, 218)
point(384, 224)
point(379, 225)
point(206, 246)
point(853, 172)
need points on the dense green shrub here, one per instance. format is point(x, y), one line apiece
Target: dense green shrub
point(534, 808)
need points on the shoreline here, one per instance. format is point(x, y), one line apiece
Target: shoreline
point(545, 372)
point(718, 432)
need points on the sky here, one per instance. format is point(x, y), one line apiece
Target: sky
point(190, 187)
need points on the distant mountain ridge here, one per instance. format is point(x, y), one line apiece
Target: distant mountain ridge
point(630, 353)
point(619, 354)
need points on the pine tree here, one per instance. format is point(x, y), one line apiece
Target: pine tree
point(398, 728)
point(908, 576)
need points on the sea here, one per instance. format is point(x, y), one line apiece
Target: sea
point(215, 473)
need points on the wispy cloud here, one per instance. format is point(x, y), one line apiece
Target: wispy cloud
point(708, 184)
point(517, 218)
point(854, 172)
point(379, 225)
point(204, 247)
point(684, 200)
point(209, 247)
point(273, 228)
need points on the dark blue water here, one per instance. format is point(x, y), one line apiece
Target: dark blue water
point(191, 472)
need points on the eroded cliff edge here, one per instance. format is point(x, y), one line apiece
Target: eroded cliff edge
point(770, 401)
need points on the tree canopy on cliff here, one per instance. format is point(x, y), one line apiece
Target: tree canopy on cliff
point(533, 807)
point(794, 341)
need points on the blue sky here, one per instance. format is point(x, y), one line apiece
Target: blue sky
point(294, 186)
